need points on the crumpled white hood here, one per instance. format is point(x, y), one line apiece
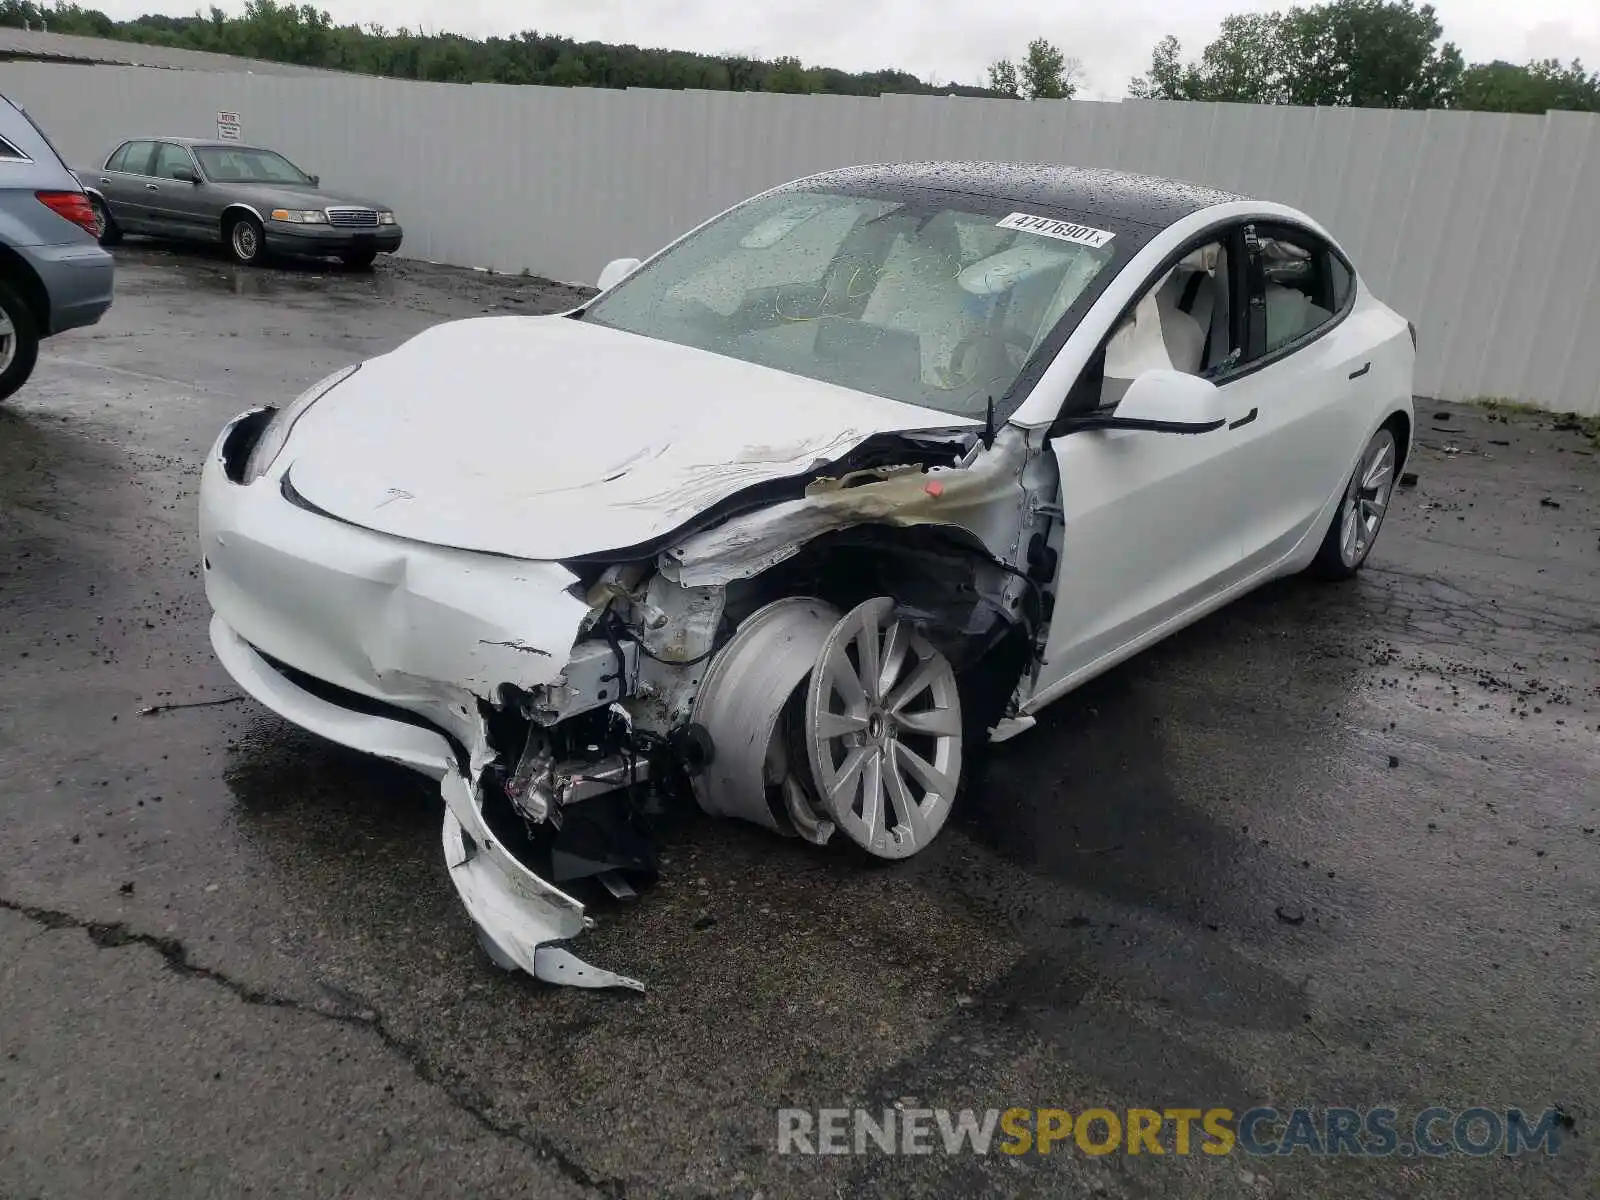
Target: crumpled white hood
point(545, 437)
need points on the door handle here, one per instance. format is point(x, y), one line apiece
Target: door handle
point(1365, 367)
point(1246, 419)
point(105, 181)
point(150, 187)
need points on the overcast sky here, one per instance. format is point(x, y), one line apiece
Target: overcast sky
point(950, 40)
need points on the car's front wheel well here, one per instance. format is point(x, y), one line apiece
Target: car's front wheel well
point(232, 215)
point(968, 605)
point(14, 269)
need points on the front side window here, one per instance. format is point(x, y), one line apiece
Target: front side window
point(1184, 322)
point(170, 160)
point(918, 299)
point(227, 165)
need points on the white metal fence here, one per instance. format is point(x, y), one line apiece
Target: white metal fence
point(1483, 228)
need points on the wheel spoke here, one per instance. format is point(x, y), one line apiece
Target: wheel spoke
point(832, 726)
point(918, 681)
point(906, 809)
point(1379, 469)
point(936, 722)
point(844, 784)
point(934, 780)
point(867, 655)
point(872, 796)
point(1348, 537)
point(896, 648)
point(6, 327)
point(842, 675)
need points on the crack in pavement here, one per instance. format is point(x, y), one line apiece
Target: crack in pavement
point(112, 935)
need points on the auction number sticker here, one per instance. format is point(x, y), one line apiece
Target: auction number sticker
point(1065, 231)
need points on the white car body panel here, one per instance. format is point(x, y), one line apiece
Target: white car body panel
point(459, 470)
point(563, 438)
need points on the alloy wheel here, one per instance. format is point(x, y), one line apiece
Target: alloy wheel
point(883, 716)
point(1366, 500)
point(8, 341)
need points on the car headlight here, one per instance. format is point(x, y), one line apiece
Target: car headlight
point(386, 218)
point(300, 216)
point(276, 434)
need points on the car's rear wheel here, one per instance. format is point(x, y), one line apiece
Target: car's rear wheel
point(106, 229)
point(19, 340)
point(246, 240)
point(1361, 510)
point(360, 260)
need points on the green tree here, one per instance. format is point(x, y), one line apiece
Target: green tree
point(1538, 87)
point(1044, 74)
point(1374, 53)
point(787, 75)
point(1003, 79)
point(283, 31)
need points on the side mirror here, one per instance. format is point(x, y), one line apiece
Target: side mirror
point(185, 175)
point(1173, 398)
point(316, 180)
point(616, 271)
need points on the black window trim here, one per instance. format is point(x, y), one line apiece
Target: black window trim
point(11, 152)
point(1271, 358)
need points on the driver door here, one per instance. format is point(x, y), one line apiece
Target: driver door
point(1149, 520)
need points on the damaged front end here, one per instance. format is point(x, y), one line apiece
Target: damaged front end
point(817, 658)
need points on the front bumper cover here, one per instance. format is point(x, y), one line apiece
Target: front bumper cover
point(423, 632)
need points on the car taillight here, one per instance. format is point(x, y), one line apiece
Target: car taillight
point(74, 206)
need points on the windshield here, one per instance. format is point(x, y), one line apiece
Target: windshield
point(248, 166)
point(919, 301)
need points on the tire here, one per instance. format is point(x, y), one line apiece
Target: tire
point(1359, 518)
point(359, 260)
point(110, 233)
point(19, 340)
point(246, 240)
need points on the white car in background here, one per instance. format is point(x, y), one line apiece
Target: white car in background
point(793, 517)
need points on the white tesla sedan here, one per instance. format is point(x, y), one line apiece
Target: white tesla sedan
point(795, 515)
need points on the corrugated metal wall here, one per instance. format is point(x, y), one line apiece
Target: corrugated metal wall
point(1483, 228)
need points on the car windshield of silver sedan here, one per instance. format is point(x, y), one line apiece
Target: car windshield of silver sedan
point(924, 303)
point(249, 166)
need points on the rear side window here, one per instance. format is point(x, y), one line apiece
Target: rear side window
point(1344, 281)
point(134, 158)
point(1294, 272)
point(9, 153)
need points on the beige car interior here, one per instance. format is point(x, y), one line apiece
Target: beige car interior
point(1290, 310)
point(1181, 324)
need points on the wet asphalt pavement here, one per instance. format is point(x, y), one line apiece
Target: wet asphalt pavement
point(1334, 846)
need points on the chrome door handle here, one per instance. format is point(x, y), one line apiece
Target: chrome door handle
point(150, 187)
point(105, 181)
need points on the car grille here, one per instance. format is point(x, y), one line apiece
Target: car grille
point(350, 218)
